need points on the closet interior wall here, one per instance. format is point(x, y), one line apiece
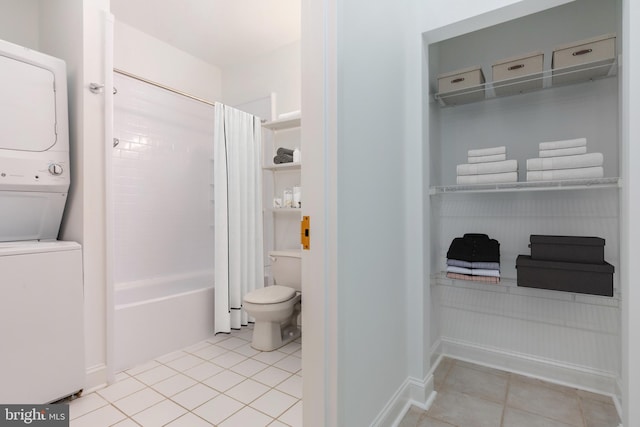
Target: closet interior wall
point(569, 338)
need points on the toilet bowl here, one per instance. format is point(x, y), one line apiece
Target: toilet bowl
point(275, 308)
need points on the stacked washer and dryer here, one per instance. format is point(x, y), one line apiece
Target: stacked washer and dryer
point(41, 289)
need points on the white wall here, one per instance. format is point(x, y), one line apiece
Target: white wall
point(19, 22)
point(277, 72)
point(148, 57)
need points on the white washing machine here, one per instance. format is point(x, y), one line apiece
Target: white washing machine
point(41, 322)
point(34, 144)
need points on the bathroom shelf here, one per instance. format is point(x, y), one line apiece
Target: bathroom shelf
point(282, 123)
point(284, 166)
point(571, 184)
point(569, 75)
point(284, 210)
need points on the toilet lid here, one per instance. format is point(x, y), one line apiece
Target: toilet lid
point(270, 295)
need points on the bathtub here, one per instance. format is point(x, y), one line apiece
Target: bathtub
point(161, 315)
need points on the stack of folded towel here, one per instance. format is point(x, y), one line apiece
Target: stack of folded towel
point(487, 165)
point(283, 155)
point(474, 257)
point(566, 159)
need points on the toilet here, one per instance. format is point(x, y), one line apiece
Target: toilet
point(275, 308)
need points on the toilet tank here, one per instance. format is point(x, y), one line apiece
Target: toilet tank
point(286, 268)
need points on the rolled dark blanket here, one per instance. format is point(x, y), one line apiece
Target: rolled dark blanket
point(282, 158)
point(286, 151)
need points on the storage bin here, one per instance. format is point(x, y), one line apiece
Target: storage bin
point(585, 59)
point(594, 279)
point(461, 86)
point(567, 248)
point(518, 74)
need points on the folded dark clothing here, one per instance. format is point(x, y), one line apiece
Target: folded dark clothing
point(474, 248)
point(282, 151)
point(282, 158)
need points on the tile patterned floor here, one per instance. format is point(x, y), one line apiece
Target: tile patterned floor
point(221, 381)
point(475, 396)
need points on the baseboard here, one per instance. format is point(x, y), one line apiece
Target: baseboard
point(548, 370)
point(412, 392)
point(96, 378)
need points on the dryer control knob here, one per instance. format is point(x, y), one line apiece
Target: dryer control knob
point(55, 169)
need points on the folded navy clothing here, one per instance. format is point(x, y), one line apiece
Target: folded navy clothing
point(282, 151)
point(474, 247)
point(282, 158)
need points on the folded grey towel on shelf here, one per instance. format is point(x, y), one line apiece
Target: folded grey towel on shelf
point(487, 151)
point(567, 143)
point(283, 150)
point(486, 159)
point(559, 174)
point(565, 162)
point(559, 152)
point(489, 178)
point(484, 168)
point(282, 158)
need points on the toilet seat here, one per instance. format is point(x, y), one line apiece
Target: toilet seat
point(270, 295)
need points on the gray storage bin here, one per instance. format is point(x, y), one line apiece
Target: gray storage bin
point(594, 279)
point(461, 86)
point(592, 56)
point(518, 74)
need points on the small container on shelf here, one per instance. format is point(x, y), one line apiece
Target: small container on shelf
point(461, 86)
point(580, 249)
point(518, 74)
point(584, 60)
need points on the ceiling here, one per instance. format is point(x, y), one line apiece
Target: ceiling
point(220, 32)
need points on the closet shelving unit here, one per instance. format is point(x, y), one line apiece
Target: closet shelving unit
point(560, 336)
point(283, 222)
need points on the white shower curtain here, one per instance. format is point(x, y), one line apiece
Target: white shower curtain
point(237, 181)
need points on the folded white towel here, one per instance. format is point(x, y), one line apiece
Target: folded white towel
point(567, 143)
point(484, 168)
point(559, 174)
point(489, 178)
point(487, 159)
point(487, 151)
point(558, 152)
point(565, 162)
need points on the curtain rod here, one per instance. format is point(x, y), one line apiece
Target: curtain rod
point(142, 79)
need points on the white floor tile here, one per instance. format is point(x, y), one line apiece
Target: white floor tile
point(224, 380)
point(228, 359)
point(195, 396)
point(160, 414)
point(155, 375)
point(86, 404)
point(292, 347)
point(290, 363)
point(293, 416)
point(103, 417)
point(210, 352)
point(270, 357)
point(121, 389)
point(196, 347)
point(232, 343)
point(189, 420)
point(183, 363)
point(274, 403)
point(246, 350)
point(138, 401)
point(291, 386)
point(247, 417)
point(297, 353)
point(203, 371)
point(127, 423)
point(277, 423)
point(121, 376)
point(271, 376)
point(171, 356)
point(218, 409)
point(174, 385)
point(141, 368)
point(247, 391)
point(218, 338)
point(249, 367)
